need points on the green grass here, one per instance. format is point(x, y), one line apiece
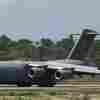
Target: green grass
point(46, 95)
point(53, 96)
point(31, 93)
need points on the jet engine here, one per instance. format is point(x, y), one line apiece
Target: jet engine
point(31, 73)
point(63, 74)
point(58, 75)
point(36, 72)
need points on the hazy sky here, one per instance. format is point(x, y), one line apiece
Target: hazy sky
point(34, 19)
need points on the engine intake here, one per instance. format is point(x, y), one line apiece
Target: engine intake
point(31, 73)
point(58, 75)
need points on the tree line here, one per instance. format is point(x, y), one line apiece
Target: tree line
point(24, 48)
point(6, 43)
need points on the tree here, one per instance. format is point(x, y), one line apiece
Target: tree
point(97, 44)
point(24, 48)
point(24, 43)
point(66, 43)
point(12, 44)
point(46, 42)
point(71, 41)
point(4, 42)
point(37, 44)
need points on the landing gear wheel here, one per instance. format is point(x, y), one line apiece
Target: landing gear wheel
point(22, 84)
point(47, 84)
point(47, 79)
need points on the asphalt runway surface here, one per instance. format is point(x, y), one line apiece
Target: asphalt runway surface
point(34, 87)
point(56, 87)
point(72, 87)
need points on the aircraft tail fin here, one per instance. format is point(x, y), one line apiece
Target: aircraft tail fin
point(84, 46)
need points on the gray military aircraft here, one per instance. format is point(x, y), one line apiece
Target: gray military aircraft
point(48, 73)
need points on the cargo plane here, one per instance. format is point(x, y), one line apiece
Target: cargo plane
point(48, 73)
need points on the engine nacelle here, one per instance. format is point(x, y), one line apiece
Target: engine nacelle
point(63, 74)
point(36, 72)
point(31, 73)
point(58, 75)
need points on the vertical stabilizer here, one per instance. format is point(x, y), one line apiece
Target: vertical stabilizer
point(84, 46)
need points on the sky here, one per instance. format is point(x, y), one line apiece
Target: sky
point(55, 19)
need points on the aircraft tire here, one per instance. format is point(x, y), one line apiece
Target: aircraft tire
point(45, 84)
point(48, 79)
point(23, 84)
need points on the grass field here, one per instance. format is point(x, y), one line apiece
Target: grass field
point(48, 95)
point(69, 96)
point(32, 95)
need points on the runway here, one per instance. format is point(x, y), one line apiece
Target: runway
point(69, 86)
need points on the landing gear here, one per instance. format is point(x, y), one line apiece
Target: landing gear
point(27, 82)
point(46, 84)
point(23, 84)
point(47, 79)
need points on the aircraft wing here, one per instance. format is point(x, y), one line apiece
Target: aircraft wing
point(61, 65)
point(76, 68)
